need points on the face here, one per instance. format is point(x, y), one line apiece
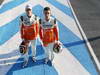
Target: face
point(29, 12)
point(47, 14)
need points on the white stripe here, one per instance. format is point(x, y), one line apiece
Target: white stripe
point(10, 63)
point(85, 38)
point(67, 21)
point(10, 58)
point(63, 2)
point(70, 23)
point(63, 18)
point(10, 15)
point(4, 2)
point(11, 44)
point(66, 64)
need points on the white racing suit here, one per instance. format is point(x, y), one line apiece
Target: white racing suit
point(29, 32)
point(48, 35)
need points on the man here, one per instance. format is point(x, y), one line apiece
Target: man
point(29, 32)
point(48, 34)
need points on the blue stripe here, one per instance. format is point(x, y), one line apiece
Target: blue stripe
point(39, 54)
point(61, 7)
point(77, 47)
point(74, 44)
point(10, 29)
point(37, 68)
point(11, 5)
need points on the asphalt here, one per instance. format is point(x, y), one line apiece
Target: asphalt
point(1, 1)
point(88, 14)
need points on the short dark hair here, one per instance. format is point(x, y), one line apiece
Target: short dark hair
point(46, 9)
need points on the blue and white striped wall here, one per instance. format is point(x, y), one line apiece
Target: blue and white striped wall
point(74, 59)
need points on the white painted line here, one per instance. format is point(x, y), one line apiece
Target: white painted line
point(85, 38)
point(10, 63)
point(10, 58)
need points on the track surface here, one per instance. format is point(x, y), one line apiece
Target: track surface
point(74, 58)
point(88, 14)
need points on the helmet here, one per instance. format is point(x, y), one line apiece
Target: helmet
point(57, 48)
point(24, 47)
